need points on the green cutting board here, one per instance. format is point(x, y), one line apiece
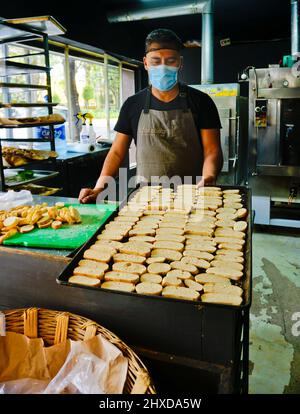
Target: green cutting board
point(68, 236)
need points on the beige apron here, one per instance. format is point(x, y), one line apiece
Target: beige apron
point(168, 143)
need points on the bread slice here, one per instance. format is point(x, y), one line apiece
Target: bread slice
point(242, 212)
point(105, 249)
point(222, 298)
point(112, 243)
point(168, 230)
point(136, 248)
point(151, 278)
point(180, 293)
point(142, 231)
point(227, 264)
point(198, 254)
point(229, 240)
point(229, 233)
point(93, 264)
point(226, 289)
point(170, 237)
point(170, 245)
point(200, 232)
point(85, 281)
point(231, 191)
point(155, 259)
point(121, 286)
point(93, 272)
point(146, 288)
point(227, 210)
point(123, 257)
point(170, 280)
point(126, 219)
point(167, 253)
point(209, 278)
point(159, 268)
point(97, 256)
point(202, 247)
point(225, 271)
point(231, 246)
point(232, 204)
point(191, 284)
point(128, 267)
point(229, 258)
point(119, 276)
point(200, 263)
point(233, 253)
point(106, 235)
point(184, 267)
point(225, 223)
point(240, 226)
point(169, 224)
point(180, 274)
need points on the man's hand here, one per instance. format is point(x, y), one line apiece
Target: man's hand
point(88, 195)
point(207, 181)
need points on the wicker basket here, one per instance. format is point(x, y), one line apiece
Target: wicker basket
point(55, 327)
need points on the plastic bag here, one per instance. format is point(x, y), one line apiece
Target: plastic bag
point(23, 386)
point(13, 199)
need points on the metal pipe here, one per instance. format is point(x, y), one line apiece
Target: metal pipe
point(206, 7)
point(153, 11)
point(207, 52)
point(295, 27)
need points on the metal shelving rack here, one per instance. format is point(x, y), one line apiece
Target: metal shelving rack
point(24, 30)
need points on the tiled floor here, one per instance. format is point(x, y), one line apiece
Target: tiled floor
point(275, 314)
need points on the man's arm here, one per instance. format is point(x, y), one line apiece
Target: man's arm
point(110, 167)
point(213, 157)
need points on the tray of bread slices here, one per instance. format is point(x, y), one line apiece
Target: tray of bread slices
point(192, 243)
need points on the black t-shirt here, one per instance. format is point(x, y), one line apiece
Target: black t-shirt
point(203, 108)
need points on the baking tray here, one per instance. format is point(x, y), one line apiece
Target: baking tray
point(210, 332)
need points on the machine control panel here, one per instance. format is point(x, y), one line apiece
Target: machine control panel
point(260, 113)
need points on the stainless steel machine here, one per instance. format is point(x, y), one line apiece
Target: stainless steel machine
point(274, 145)
point(233, 111)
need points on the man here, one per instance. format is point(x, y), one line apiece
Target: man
point(176, 128)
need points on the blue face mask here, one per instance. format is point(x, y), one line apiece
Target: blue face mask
point(163, 77)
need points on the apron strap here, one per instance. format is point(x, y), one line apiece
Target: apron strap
point(183, 97)
point(148, 100)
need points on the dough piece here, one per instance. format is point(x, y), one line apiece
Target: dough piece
point(121, 286)
point(159, 268)
point(96, 255)
point(222, 299)
point(88, 271)
point(193, 285)
point(128, 267)
point(84, 280)
point(148, 288)
point(185, 267)
point(151, 278)
point(180, 293)
point(167, 253)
